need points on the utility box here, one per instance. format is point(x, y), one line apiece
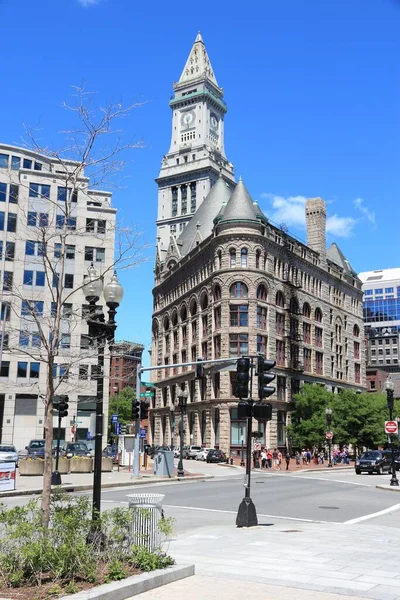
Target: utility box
point(125, 449)
point(164, 463)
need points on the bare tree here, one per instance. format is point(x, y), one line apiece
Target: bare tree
point(89, 157)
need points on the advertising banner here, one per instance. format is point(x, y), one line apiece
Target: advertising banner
point(7, 476)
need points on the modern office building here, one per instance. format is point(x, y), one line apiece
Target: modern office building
point(34, 194)
point(228, 283)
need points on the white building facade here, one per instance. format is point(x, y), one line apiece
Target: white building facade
point(34, 192)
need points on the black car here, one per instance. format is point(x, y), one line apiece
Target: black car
point(111, 452)
point(216, 456)
point(35, 449)
point(71, 449)
point(373, 461)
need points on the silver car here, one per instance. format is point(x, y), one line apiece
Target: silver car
point(8, 453)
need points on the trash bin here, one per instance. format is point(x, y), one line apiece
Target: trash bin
point(146, 514)
point(164, 463)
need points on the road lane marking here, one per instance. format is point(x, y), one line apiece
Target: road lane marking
point(385, 511)
point(294, 476)
point(234, 512)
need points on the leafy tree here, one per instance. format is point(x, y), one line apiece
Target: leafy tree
point(308, 418)
point(121, 405)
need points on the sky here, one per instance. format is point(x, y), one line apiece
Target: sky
point(313, 95)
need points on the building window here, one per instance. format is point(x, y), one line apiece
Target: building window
point(306, 310)
point(307, 333)
point(27, 164)
point(281, 389)
point(65, 340)
point(15, 163)
point(238, 344)
point(95, 254)
point(217, 346)
point(357, 373)
point(280, 300)
point(239, 315)
point(232, 258)
point(8, 281)
point(318, 337)
point(307, 359)
point(193, 197)
point(12, 223)
point(281, 426)
point(22, 369)
point(318, 315)
point(319, 363)
point(280, 352)
point(280, 324)
point(174, 210)
point(32, 307)
point(258, 255)
point(3, 192)
point(184, 199)
point(238, 428)
point(68, 281)
point(5, 311)
point(262, 313)
point(243, 257)
point(357, 350)
point(356, 331)
point(217, 317)
point(262, 293)
point(4, 368)
point(3, 161)
point(28, 278)
point(217, 293)
point(14, 194)
point(262, 344)
point(238, 290)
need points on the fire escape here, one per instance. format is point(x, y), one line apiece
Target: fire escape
point(293, 326)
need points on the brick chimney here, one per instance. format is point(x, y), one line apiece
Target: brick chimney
point(316, 225)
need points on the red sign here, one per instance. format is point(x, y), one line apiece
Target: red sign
point(391, 427)
point(329, 435)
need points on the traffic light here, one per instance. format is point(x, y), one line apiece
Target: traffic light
point(135, 410)
point(199, 370)
point(244, 410)
point(242, 378)
point(265, 378)
point(63, 407)
point(144, 409)
point(262, 411)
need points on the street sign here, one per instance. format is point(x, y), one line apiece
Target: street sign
point(257, 446)
point(147, 394)
point(143, 433)
point(391, 427)
point(117, 428)
point(329, 435)
point(114, 418)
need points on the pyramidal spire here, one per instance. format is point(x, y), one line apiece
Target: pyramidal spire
point(198, 65)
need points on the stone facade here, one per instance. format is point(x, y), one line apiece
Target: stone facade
point(232, 284)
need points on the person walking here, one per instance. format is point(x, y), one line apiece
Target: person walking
point(263, 459)
point(275, 457)
point(298, 459)
point(279, 460)
point(287, 458)
point(269, 459)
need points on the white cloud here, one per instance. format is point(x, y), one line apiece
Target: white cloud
point(290, 211)
point(370, 215)
point(87, 3)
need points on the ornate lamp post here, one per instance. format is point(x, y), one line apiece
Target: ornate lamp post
point(389, 387)
point(328, 415)
point(182, 397)
point(100, 332)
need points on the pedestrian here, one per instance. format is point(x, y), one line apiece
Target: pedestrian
point(321, 457)
point(263, 459)
point(279, 460)
point(269, 459)
point(275, 457)
point(298, 458)
point(308, 456)
point(287, 458)
point(304, 456)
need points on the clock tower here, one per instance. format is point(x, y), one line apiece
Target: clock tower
point(196, 155)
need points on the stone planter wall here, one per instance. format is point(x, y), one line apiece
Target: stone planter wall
point(63, 465)
point(106, 464)
point(31, 467)
point(81, 465)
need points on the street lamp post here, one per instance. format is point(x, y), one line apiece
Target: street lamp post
point(389, 387)
point(242, 449)
point(100, 333)
point(328, 415)
point(182, 402)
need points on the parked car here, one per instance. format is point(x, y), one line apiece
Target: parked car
point(202, 455)
point(177, 452)
point(216, 456)
point(71, 449)
point(8, 453)
point(373, 461)
point(35, 449)
point(110, 452)
point(191, 451)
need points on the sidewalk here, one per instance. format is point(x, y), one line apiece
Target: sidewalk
point(74, 482)
point(278, 561)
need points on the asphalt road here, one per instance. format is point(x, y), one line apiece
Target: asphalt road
point(337, 496)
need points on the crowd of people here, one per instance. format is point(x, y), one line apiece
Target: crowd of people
point(272, 459)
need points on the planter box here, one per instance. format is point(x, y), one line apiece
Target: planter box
point(63, 465)
point(31, 467)
point(81, 465)
point(106, 464)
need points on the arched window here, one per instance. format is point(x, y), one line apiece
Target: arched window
point(166, 324)
point(193, 308)
point(262, 292)
point(174, 318)
point(204, 302)
point(294, 306)
point(356, 331)
point(219, 259)
point(243, 257)
point(238, 290)
point(318, 315)
point(171, 264)
point(280, 299)
point(232, 257)
point(183, 313)
point(306, 310)
point(217, 293)
point(258, 255)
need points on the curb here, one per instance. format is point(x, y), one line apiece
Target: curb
point(85, 487)
point(135, 585)
point(229, 466)
point(388, 488)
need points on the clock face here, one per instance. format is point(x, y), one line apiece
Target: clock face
point(214, 121)
point(188, 119)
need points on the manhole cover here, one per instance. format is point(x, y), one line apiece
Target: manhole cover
point(291, 531)
point(329, 507)
point(259, 482)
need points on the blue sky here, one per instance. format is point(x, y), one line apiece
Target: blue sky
point(313, 94)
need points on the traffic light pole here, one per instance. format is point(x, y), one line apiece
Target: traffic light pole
point(136, 447)
point(55, 476)
point(98, 441)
